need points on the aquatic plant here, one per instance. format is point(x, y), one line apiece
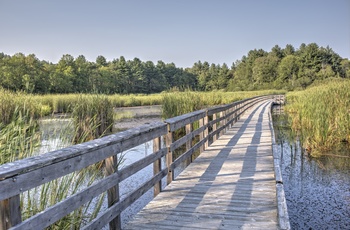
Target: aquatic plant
point(93, 117)
point(129, 100)
point(321, 115)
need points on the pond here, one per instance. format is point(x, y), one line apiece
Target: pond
point(317, 189)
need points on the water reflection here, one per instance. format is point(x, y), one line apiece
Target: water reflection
point(317, 190)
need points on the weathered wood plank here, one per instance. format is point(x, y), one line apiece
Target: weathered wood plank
point(142, 133)
point(111, 167)
point(157, 165)
point(108, 215)
point(10, 214)
point(27, 175)
point(180, 121)
point(63, 208)
point(140, 164)
point(186, 138)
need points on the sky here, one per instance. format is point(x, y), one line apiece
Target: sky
point(178, 31)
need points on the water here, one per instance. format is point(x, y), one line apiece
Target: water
point(317, 190)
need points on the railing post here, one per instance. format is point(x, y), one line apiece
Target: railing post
point(10, 212)
point(236, 117)
point(201, 135)
point(157, 165)
point(222, 122)
point(111, 166)
point(214, 127)
point(169, 156)
point(206, 131)
point(188, 143)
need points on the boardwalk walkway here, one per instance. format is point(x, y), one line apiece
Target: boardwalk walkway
point(231, 185)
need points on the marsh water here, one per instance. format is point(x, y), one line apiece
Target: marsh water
point(317, 189)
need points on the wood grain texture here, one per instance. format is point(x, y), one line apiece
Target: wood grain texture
point(231, 185)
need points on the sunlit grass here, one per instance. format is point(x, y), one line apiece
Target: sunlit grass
point(321, 115)
point(176, 103)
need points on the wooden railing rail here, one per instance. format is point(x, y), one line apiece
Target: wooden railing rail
point(23, 175)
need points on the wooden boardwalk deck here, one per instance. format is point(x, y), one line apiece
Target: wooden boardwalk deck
point(231, 185)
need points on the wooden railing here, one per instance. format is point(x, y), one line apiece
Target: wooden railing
point(23, 175)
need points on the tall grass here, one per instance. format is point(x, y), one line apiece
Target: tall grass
point(175, 103)
point(130, 100)
point(321, 115)
point(93, 117)
point(20, 137)
point(12, 104)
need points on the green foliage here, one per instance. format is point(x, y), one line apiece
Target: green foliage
point(321, 115)
point(281, 68)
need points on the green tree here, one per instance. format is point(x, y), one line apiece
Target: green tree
point(265, 70)
point(287, 72)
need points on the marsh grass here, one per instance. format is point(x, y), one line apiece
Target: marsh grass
point(321, 115)
point(40, 198)
point(175, 103)
point(93, 117)
point(130, 100)
point(121, 115)
point(19, 138)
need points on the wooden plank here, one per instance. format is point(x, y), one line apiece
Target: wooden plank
point(146, 132)
point(63, 208)
point(10, 212)
point(214, 125)
point(111, 167)
point(188, 153)
point(180, 121)
point(189, 128)
point(27, 174)
point(157, 166)
point(116, 209)
point(169, 156)
point(186, 138)
point(140, 164)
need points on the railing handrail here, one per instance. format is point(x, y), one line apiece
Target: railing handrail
point(20, 176)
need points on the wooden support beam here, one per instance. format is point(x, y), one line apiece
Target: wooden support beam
point(10, 212)
point(111, 166)
point(157, 165)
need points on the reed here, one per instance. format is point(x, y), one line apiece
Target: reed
point(130, 100)
point(178, 103)
point(11, 104)
point(175, 103)
point(93, 117)
point(19, 138)
point(321, 115)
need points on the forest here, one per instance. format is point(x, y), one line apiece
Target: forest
point(280, 68)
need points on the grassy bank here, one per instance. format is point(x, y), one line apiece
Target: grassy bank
point(321, 115)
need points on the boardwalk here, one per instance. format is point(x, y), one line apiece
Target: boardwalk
point(231, 185)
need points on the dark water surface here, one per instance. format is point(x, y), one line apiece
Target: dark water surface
point(317, 189)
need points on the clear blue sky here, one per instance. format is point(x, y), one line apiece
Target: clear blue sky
point(179, 31)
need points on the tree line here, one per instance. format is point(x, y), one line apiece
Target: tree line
point(281, 68)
